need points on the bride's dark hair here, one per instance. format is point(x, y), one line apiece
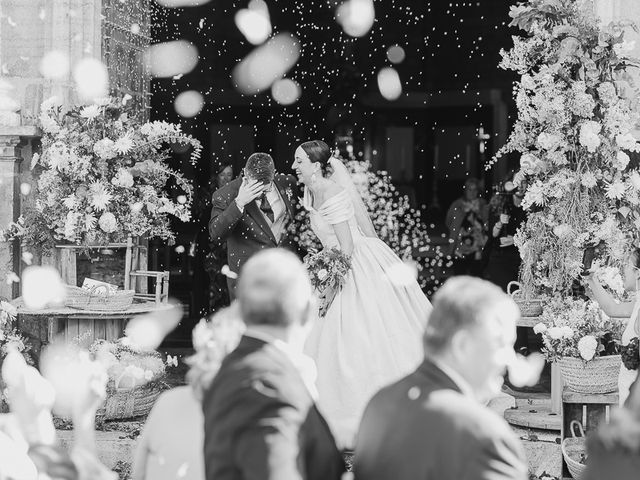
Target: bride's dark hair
point(318, 151)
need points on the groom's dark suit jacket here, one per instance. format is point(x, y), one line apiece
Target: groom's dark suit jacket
point(248, 232)
point(260, 421)
point(423, 427)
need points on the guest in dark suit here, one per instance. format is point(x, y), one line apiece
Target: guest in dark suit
point(252, 212)
point(614, 450)
point(261, 420)
point(432, 424)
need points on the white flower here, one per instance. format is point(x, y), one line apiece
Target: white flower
point(534, 195)
point(124, 144)
point(549, 141)
point(71, 201)
point(539, 328)
point(70, 225)
point(89, 222)
point(621, 161)
point(623, 48)
point(104, 149)
point(108, 222)
point(634, 179)
point(587, 347)
point(8, 309)
point(589, 138)
point(588, 179)
point(555, 333)
point(615, 190)
point(123, 178)
point(567, 332)
point(627, 142)
point(607, 92)
point(172, 361)
point(50, 103)
point(48, 124)
point(562, 230)
point(528, 82)
point(528, 163)
point(322, 274)
point(90, 112)
point(100, 196)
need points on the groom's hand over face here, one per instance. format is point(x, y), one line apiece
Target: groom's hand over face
point(249, 191)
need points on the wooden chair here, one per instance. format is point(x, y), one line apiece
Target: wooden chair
point(137, 276)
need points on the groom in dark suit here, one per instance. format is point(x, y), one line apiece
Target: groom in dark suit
point(260, 417)
point(433, 424)
point(252, 213)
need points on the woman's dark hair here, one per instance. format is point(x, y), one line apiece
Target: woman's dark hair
point(318, 151)
point(223, 167)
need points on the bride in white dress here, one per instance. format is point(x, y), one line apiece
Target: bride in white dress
point(629, 310)
point(371, 334)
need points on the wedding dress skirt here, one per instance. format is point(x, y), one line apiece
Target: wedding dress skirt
point(371, 335)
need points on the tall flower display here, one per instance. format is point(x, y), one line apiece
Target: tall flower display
point(576, 111)
point(103, 176)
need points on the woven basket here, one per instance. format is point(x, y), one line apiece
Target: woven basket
point(93, 299)
point(132, 402)
point(574, 451)
point(599, 375)
point(528, 308)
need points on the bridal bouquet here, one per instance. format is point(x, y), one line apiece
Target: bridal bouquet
point(103, 176)
point(327, 271)
point(577, 328)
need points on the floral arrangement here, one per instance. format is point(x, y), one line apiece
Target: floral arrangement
point(327, 271)
point(127, 366)
point(396, 223)
point(103, 176)
point(576, 108)
point(10, 337)
point(577, 328)
point(212, 341)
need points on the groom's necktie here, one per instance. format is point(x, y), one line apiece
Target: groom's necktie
point(265, 206)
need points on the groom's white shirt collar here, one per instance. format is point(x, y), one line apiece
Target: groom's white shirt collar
point(304, 364)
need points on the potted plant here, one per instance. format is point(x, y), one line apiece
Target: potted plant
point(584, 342)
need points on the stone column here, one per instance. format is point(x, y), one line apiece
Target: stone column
point(12, 142)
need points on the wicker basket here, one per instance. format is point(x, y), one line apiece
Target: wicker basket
point(574, 451)
point(599, 375)
point(93, 299)
point(528, 308)
point(133, 402)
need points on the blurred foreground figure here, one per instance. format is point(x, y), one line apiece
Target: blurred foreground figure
point(30, 428)
point(171, 443)
point(614, 451)
point(261, 421)
point(432, 424)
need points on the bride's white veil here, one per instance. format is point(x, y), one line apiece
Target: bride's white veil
point(342, 177)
